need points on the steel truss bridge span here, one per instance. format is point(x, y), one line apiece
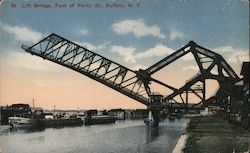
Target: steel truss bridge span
point(136, 84)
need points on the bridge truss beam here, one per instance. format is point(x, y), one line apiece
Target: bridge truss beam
point(68, 54)
point(136, 84)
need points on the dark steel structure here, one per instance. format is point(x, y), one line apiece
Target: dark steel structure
point(136, 84)
point(245, 111)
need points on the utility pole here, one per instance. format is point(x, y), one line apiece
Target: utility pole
point(33, 103)
point(54, 111)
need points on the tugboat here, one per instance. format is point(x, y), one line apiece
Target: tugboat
point(21, 122)
point(22, 116)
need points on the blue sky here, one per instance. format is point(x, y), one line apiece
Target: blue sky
point(135, 37)
point(171, 23)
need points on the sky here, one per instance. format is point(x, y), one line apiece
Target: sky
point(134, 33)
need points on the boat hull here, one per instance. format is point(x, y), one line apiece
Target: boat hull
point(99, 120)
point(21, 122)
point(60, 122)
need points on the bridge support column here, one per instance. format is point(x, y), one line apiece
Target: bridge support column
point(156, 116)
point(153, 117)
point(152, 124)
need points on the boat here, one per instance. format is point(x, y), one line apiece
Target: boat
point(99, 119)
point(4, 128)
point(60, 122)
point(150, 119)
point(20, 122)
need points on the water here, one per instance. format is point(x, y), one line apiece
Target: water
point(129, 136)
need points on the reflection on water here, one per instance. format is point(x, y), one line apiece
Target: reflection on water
point(124, 136)
point(151, 133)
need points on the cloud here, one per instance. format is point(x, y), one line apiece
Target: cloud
point(22, 33)
point(18, 59)
point(224, 49)
point(233, 55)
point(83, 31)
point(238, 57)
point(103, 46)
point(158, 50)
point(138, 28)
point(175, 34)
point(136, 67)
point(129, 55)
point(125, 52)
point(245, 1)
point(91, 46)
point(87, 45)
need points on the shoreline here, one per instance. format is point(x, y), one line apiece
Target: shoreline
point(181, 143)
point(213, 133)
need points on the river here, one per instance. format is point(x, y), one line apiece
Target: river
point(128, 136)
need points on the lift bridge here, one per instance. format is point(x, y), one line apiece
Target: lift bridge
point(136, 84)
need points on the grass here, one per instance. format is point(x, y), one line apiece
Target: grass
point(213, 134)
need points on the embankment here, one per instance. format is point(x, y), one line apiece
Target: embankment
point(213, 134)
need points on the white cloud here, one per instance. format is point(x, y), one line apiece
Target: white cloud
point(103, 46)
point(22, 33)
point(158, 50)
point(175, 34)
point(138, 66)
point(91, 46)
point(245, 1)
point(233, 55)
point(224, 49)
point(129, 55)
point(125, 52)
point(138, 28)
point(83, 30)
point(87, 45)
point(22, 59)
point(238, 57)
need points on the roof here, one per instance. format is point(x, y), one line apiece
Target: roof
point(245, 68)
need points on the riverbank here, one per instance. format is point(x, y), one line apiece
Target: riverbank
point(183, 138)
point(213, 134)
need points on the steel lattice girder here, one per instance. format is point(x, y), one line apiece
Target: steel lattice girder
point(225, 82)
point(134, 84)
point(91, 64)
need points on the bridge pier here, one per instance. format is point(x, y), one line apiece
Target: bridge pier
point(153, 117)
point(154, 111)
point(152, 124)
point(156, 116)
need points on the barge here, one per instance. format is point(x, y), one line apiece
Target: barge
point(60, 122)
point(99, 119)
